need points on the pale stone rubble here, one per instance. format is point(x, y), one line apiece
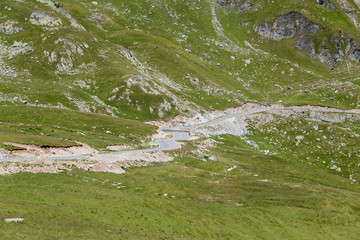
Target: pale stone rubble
point(57, 8)
point(10, 27)
point(95, 163)
point(41, 18)
point(9, 51)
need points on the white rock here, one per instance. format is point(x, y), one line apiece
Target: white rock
point(300, 138)
point(213, 158)
point(10, 220)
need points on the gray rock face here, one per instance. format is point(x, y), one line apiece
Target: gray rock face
point(295, 25)
point(9, 27)
point(306, 44)
point(40, 18)
point(287, 26)
point(238, 5)
point(245, 7)
point(345, 46)
point(341, 40)
point(355, 55)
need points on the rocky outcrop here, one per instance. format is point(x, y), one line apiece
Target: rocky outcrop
point(355, 55)
point(9, 27)
point(57, 8)
point(306, 44)
point(236, 5)
point(8, 52)
point(346, 46)
point(295, 25)
point(68, 54)
point(40, 18)
point(287, 26)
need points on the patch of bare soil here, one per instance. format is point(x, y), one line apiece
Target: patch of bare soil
point(119, 147)
point(96, 163)
point(38, 151)
point(4, 152)
point(133, 158)
point(160, 135)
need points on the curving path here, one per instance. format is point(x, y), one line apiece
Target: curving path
point(183, 133)
point(164, 145)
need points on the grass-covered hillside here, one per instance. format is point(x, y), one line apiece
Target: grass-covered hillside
point(243, 195)
point(84, 76)
point(145, 60)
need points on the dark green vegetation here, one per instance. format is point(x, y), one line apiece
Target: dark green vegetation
point(265, 197)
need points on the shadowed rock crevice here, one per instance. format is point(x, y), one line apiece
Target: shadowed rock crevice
point(327, 4)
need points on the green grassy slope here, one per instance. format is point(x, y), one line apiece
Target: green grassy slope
point(148, 59)
point(265, 197)
point(49, 127)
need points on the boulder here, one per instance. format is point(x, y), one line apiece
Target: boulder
point(213, 158)
point(300, 138)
